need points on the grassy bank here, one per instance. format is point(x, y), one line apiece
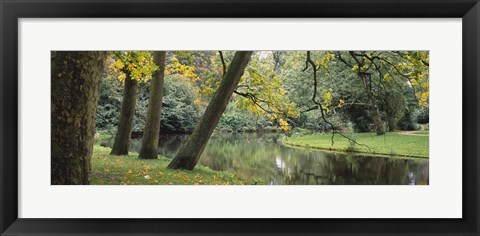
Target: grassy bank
point(390, 144)
point(129, 170)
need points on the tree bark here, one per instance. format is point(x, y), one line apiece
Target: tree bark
point(152, 126)
point(75, 78)
point(189, 155)
point(125, 125)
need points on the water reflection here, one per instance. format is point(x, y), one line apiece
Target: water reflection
point(261, 156)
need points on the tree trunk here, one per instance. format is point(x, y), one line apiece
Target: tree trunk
point(367, 85)
point(152, 126)
point(392, 124)
point(76, 78)
point(189, 155)
point(125, 125)
point(377, 120)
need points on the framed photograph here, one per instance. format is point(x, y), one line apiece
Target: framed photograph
point(252, 118)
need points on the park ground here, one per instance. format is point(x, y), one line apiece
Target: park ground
point(394, 144)
point(129, 170)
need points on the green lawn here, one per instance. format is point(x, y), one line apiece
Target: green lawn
point(423, 132)
point(129, 170)
point(391, 144)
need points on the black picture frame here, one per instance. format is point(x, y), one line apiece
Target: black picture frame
point(11, 11)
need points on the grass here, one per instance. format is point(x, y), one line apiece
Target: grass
point(390, 144)
point(423, 132)
point(129, 170)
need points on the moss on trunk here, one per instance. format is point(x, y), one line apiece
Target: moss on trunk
point(152, 126)
point(189, 155)
point(75, 81)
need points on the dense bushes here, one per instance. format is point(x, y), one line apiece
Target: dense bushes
point(240, 120)
point(109, 105)
point(421, 116)
point(180, 113)
point(412, 120)
point(407, 122)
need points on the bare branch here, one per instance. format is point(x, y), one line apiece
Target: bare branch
point(322, 111)
point(223, 63)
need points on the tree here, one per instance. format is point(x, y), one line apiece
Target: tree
point(259, 94)
point(189, 155)
point(361, 67)
point(131, 68)
point(75, 87)
point(152, 126)
point(125, 124)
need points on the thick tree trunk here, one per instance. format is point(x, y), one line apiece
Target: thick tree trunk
point(152, 126)
point(76, 78)
point(189, 155)
point(125, 125)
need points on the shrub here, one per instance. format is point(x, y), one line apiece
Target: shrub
point(180, 113)
point(421, 116)
point(407, 122)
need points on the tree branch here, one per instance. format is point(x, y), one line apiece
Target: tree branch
point(322, 111)
point(223, 63)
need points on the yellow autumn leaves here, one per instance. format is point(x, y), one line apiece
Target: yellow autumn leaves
point(175, 67)
point(415, 67)
point(138, 65)
point(284, 125)
point(268, 98)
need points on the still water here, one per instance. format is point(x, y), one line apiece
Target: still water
point(262, 156)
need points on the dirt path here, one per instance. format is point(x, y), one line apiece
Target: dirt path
point(411, 133)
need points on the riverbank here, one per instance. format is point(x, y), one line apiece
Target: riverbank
point(394, 144)
point(129, 170)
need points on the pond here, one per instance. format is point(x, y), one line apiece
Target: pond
point(262, 156)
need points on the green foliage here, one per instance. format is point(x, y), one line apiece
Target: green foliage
point(421, 115)
point(180, 113)
point(278, 91)
point(109, 105)
point(407, 122)
point(262, 82)
point(260, 90)
point(239, 120)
